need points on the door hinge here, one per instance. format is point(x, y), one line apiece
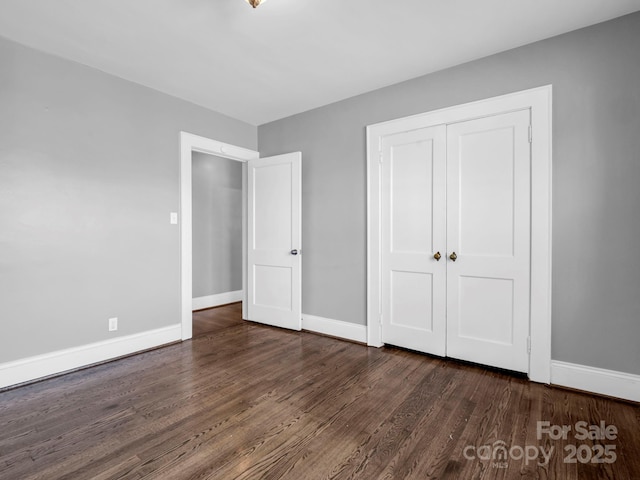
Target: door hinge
point(530, 134)
point(528, 344)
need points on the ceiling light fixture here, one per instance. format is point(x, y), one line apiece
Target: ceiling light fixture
point(255, 3)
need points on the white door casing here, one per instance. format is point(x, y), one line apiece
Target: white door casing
point(488, 229)
point(274, 241)
point(190, 143)
point(538, 102)
point(413, 231)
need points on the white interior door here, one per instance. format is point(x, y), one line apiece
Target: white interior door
point(274, 241)
point(488, 229)
point(413, 231)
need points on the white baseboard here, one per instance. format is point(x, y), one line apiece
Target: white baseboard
point(335, 328)
point(210, 301)
point(32, 368)
point(596, 380)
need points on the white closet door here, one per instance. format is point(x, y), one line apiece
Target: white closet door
point(413, 231)
point(274, 241)
point(488, 228)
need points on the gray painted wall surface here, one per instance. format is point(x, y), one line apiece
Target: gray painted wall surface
point(595, 74)
point(89, 171)
point(217, 224)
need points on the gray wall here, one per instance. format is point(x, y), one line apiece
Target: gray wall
point(89, 171)
point(595, 74)
point(217, 224)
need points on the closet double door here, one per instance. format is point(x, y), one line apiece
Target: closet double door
point(455, 238)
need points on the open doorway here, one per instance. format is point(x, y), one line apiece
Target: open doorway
point(191, 146)
point(216, 192)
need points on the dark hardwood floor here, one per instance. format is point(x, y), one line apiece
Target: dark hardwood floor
point(245, 401)
point(216, 319)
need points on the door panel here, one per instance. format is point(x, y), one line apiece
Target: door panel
point(273, 192)
point(413, 220)
point(274, 273)
point(486, 192)
point(276, 286)
point(482, 298)
point(411, 300)
point(411, 190)
point(488, 226)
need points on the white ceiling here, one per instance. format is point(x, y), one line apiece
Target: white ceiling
point(287, 56)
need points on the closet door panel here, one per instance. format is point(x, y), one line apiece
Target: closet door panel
point(413, 231)
point(488, 228)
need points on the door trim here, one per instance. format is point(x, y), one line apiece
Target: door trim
point(539, 101)
point(194, 143)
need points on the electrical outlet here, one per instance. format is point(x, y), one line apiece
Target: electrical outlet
point(113, 324)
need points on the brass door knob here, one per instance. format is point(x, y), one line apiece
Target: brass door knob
point(437, 256)
point(453, 256)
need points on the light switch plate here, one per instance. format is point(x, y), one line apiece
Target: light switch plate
point(113, 324)
point(173, 218)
